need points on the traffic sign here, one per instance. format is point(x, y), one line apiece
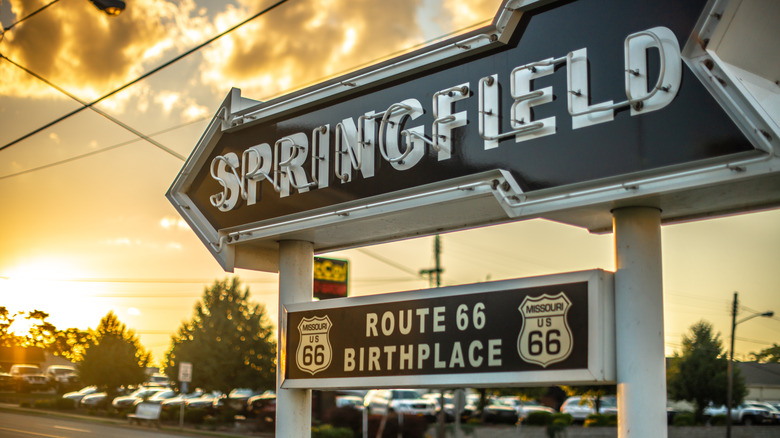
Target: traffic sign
point(185, 372)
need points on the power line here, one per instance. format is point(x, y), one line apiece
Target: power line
point(389, 262)
point(144, 76)
point(95, 109)
point(29, 15)
point(98, 151)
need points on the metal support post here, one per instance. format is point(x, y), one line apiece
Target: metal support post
point(296, 283)
point(641, 369)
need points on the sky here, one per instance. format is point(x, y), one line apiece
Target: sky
point(85, 227)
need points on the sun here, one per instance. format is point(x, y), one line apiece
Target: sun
point(50, 285)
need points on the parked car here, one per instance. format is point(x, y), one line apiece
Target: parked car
point(449, 406)
point(235, 400)
point(205, 401)
point(28, 378)
point(498, 411)
point(774, 412)
point(76, 396)
point(6, 381)
point(523, 408)
point(97, 400)
point(140, 394)
point(158, 379)
point(61, 376)
point(745, 413)
point(349, 400)
point(176, 402)
point(406, 401)
point(262, 406)
point(580, 407)
point(158, 397)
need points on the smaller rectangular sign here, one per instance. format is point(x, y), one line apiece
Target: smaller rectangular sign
point(331, 278)
point(185, 372)
point(524, 332)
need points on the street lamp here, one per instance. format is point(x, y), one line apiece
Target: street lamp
point(110, 7)
point(729, 390)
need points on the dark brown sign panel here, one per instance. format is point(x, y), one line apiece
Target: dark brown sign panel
point(331, 278)
point(558, 109)
point(509, 329)
point(305, 163)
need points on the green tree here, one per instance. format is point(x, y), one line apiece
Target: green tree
point(41, 334)
point(228, 341)
point(70, 344)
point(7, 338)
point(768, 355)
point(699, 374)
point(114, 357)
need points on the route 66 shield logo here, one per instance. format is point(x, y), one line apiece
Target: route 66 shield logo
point(314, 352)
point(545, 337)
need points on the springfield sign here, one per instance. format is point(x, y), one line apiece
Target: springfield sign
point(558, 109)
point(519, 332)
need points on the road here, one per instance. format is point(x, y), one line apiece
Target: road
point(28, 426)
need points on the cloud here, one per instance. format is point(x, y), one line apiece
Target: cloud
point(88, 53)
point(303, 41)
point(174, 223)
point(460, 14)
point(300, 42)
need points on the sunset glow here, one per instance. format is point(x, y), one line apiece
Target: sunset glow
point(85, 227)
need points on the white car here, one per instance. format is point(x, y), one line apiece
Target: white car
point(405, 401)
point(747, 413)
point(580, 407)
point(524, 408)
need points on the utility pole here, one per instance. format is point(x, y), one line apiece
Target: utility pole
point(434, 275)
point(729, 390)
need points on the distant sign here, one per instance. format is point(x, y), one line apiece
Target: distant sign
point(331, 278)
point(185, 372)
point(522, 332)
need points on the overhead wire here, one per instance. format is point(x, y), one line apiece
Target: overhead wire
point(6, 29)
point(145, 75)
point(95, 109)
point(98, 151)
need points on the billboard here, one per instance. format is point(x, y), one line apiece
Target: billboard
point(558, 109)
point(523, 332)
point(331, 278)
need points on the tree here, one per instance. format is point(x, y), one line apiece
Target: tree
point(228, 341)
point(41, 334)
point(8, 338)
point(70, 344)
point(114, 357)
point(768, 355)
point(699, 374)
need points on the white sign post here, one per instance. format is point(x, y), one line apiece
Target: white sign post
point(185, 377)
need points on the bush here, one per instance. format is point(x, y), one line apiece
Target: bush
point(328, 431)
point(562, 419)
point(193, 416)
point(346, 416)
point(684, 419)
point(225, 415)
point(538, 418)
point(600, 420)
point(718, 420)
